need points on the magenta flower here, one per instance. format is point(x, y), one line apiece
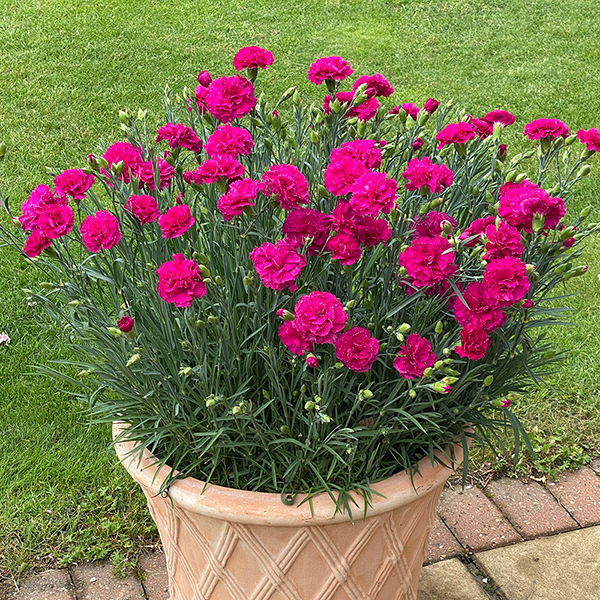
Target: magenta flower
point(417, 143)
point(370, 231)
point(474, 342)
point(481, 309)
point(179, 136)
point(55, 221)
point(431, 105)
point(227, 140)
point(241, 193)
point(344, 247)
point(373, 193)
point(331, 67)
point(73, 182)
point(278, 264)
point(545, 128)
point(422, 172)
point(411, 110)
point(35, 243)
point(200, 94)
point(482, 128)
point(377, 85)
point(501, 117)
point(180, 281)
point(502, 240)
point(293, 340)
point(475, 230)
point(130, 155)
point(356, 349)
point(506, 280)
point(288, 185)
point(455, 133)
point(230, 98)
point(341, 97)
point(431, 224)
point(414, 357)
point(176, 221)
point(364, 151)
point(339, 176)
point(125, 324)
point(100, 231)
point(39, 200)
point(320, 317)
point(143, 207)
point(591, 139)
point(365, 111)
point(204, 78)
point(148, 170)
point(210, 171)
point(305, 224)
point(252, 57)
point(428, 261)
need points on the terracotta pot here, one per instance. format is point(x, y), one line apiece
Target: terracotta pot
point(227, 544)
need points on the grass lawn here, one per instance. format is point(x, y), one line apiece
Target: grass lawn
point(67, 67)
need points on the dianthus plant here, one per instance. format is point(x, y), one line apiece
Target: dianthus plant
point(298, 298)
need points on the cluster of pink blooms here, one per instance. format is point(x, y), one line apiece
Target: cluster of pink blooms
point(422, 173)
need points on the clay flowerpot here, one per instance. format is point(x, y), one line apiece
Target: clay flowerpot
point(226, 544)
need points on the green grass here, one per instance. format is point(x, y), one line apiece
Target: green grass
point(67, 67)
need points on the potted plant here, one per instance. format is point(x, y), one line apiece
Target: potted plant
point(296, 315)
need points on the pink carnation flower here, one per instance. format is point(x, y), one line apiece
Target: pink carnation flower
point(39, 200)
point(422, 172)
point(176, 221)
point(179, 136)
point(455, 133)
point(480, 310)
point(506, 280)
point(365, 111)
point(474, 342)
point(241, 193)
point(125, 324)
point(502, 240)
point(502, 117)
point(482, 128)
point(344, 247)
point(591, 139)
point(417, 143)
point(252, 57)
point(143, 207)
point(339, 176)
point(428, 261)
point(377, 85)
point(364, 151)
point(230, 98)
point(147, 174)
point(130, 155)
point(180, 281)
point(305, 224)
point(204, 78)
point(210, 171)
point(545, 128)
point(73, 182)
point(521, 202)
point(35, 243)
point(320, 317)
point(431, 224)
point(356, 349)
point(414, 357)
point(288, 185)
point(431, 105)
point(278, 264)
point(475, 231)
point(55, 221)
point(373, 193)
point(411, 110)
point(100, 231)
point(200, 94)
point(228, 140)
point(293, 340)
point(370, 231)
point(332, 67)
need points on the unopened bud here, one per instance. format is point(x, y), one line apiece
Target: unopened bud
point(520, 177)
point(314, 137)
point(412, 394)
point(236, 410)
point(438, 365)
point(350, 304)
point(537, 223)
point(211, 402)
point(248, 280)
point(303, 389)
point(114, 331)
point(185, 371)
point(511, 176)
point(570, 140)
point(118, 168)
point(218, 280)
point(310, 405)
point(585, 212)
point(404, 328)
point(133, 360)
point(529, 268)
point(450, 380)
point(439, 327)
point(365, 395)
point(585, 170)
point(124, 117)
point(428, 372)
point(2, 150)
point(296, 98)
point(75, 303)
point(200, 324)
point(446, 351)
point(441, 387)
point(488, 380)
point(213, 319)
point(204, 270)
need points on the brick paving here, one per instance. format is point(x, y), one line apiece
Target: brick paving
point(469, 521)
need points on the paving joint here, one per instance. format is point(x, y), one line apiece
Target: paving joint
point(484, 580)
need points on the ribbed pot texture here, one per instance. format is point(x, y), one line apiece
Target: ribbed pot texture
point(226, 544)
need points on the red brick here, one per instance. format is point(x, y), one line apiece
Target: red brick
point(475, 521)
point(95, 581)
point(531, 509)
point(442, 544)
point(51, 585)
point(154, 576)
point(579, 493)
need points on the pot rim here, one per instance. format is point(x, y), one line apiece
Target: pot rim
point(252, 508)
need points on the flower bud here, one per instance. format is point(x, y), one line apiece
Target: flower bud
point(210, 402)
point(303, 389)
point(365, 395)
point(422, 117)
point(339, 365)
point(576, 272)
point(529, 268)
point(212, 319)
point(412, 394)
point(85, 373)
point(361, 128)
point(141, 114)
point(204, 270)
point(450, 380)
point(428, 372)
point(488, 380)
point(248, 280)
point(200, 324)
point(310, 405)
point(118, 168)
point(284, 429)
point(438, 365)
point(383, 346)
point(185, 371)
point(325, 419)
point(570, 140)
point(114, 331)
point(218, 280)
point(439, 327)
point(133, 360)
point(567, 232)
point(451, 372)
point(312, 361)
point(314, 137)
point(520, 177)
point(236, 410)
point(510, 176)
point(124, 117)
point(2, 151)
point(585, 170)
point(441, 387)
point(404, 328)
